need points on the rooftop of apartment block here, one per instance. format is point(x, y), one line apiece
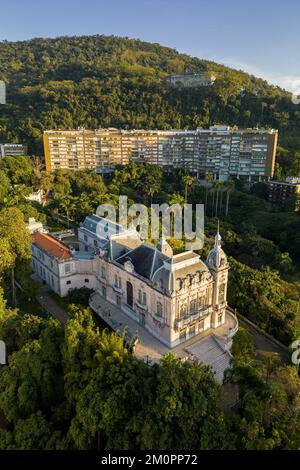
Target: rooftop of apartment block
point(218, 128)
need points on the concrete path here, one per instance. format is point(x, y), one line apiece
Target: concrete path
point(49, 305)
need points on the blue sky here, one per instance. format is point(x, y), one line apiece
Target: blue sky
point(259, 36)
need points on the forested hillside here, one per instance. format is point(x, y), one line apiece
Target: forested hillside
point(110, 81)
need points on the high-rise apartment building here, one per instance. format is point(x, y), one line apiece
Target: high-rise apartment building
point(221, 150)
point(285, 195)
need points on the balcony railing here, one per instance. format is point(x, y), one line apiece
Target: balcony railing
point(201, 313)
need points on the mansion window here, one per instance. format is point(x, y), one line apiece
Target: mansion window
point(118, 281)
point(142, 298)
point(67, 268)
point(159, 309)
point(183, 311)
point(193, 306)
point(103, 272)
point(182, 336)
point(192, 331)
point(221, 293)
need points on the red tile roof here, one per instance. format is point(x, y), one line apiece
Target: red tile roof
point(52, 245)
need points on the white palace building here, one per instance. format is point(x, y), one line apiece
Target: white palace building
point(167, 303)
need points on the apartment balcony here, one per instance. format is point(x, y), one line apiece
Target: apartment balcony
point(192, 317)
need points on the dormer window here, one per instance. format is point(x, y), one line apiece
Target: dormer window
point(129, 266)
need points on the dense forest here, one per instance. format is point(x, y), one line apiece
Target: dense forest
point(94, 81)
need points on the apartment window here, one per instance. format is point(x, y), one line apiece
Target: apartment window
point(118, 300)
point(85, 238)
point(159, 309)
point(95, 244)
point(51, 264)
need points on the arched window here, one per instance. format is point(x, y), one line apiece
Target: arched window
point(159, 309)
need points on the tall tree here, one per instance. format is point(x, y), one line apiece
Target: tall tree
point(17, 240)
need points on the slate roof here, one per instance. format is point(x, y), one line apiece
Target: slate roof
point(145, 259)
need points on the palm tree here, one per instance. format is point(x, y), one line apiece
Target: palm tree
point(230, 185)
point(188, 181)
point(218, 184)
point(208, 179)
point(68, 206)
point(176, 198)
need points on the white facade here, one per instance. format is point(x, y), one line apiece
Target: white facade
point(59, 268)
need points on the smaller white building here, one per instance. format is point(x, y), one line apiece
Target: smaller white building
point(36, 196)
point(61, 268)
point(191, 80)
point(35, 226)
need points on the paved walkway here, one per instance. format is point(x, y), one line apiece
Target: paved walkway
point(48, 303)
